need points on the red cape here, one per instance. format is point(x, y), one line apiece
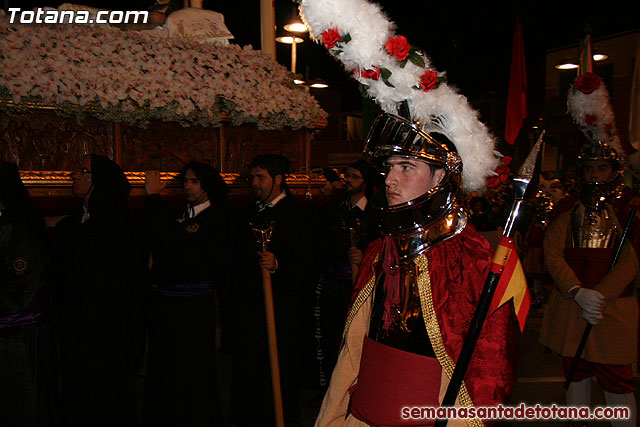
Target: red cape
point(458, 268)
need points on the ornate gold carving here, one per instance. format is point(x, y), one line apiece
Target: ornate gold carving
point(63, 179)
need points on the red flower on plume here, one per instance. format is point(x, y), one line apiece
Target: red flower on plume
point(398, 47)
point(331, 37)
point(608, 128)
point(493, 181)
point(587, 83)
point(590, 119)
point(370, 74)
point(428, 80)
point(503, 173)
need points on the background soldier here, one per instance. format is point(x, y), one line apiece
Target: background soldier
point(579, 247)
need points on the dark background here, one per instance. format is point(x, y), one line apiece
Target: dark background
point(471, 41)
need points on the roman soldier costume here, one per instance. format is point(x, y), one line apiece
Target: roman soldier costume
point(579, 250)
point(419, 285)
point(417, 291)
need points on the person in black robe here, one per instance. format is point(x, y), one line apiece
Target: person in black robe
point(27, 365)
point(287, 258)
point(341, 233)
point(189, 265)
point(98, 266)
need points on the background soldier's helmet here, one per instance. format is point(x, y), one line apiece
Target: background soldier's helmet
point(597, 195)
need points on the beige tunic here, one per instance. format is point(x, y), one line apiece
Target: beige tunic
point(345, 375)
point(614, 339)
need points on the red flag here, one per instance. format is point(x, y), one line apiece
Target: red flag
point(512, 284)
point(517, 98)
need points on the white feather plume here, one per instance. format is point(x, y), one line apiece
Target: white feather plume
point(593, 113)
point(368, 30)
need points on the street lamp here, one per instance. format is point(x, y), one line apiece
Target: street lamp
point(296, 27)
point(293, 41)
point(572, 63)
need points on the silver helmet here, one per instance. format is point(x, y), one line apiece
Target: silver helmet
point(595, 195)
point(437, 214)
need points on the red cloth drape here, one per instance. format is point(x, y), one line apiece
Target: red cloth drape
point(458, 268)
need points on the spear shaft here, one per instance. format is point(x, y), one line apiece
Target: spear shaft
point(521, 181)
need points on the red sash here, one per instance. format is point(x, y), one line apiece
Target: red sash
point(591, 265)
point(390, 379)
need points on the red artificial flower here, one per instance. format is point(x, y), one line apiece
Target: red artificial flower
point(502, 170)
point(503, 173)
point(331, 37)
point(493, 181)
point(587, 83)
point(371, 74)
point(590, 118)
point(429, 80)
point(608, 127)
point(398, 47)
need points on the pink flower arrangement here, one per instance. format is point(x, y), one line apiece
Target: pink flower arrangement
point(134, 77)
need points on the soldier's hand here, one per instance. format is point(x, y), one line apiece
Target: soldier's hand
point(267, 260)
point(152, 183)
point(591, 302)
point(355, 255)
point(591, 317)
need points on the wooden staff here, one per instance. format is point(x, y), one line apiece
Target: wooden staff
point(264, 236)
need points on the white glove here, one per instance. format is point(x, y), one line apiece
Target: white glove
point(592, 318)
point(591, 303)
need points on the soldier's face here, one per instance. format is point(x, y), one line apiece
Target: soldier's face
point(408, 178)
point(596, 170)
point(193, 191)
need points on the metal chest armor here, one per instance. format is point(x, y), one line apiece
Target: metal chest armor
point(594, 228)
point(407, 330)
